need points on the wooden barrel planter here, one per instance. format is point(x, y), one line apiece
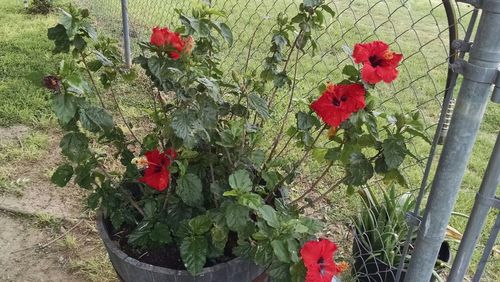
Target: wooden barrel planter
point(131, 270)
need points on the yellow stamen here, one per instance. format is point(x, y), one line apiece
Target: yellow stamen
point(332, 132)
point(388, 55)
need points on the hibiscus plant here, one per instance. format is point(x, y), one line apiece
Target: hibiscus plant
point(208, 177)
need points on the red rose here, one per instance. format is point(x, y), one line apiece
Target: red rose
point(156, 174)
point(318, 259)
point(379, 63)
point(170, 41)
point(338, 102)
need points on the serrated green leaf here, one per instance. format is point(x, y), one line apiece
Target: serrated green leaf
point(305, 121)
point(240, 180)
point(161, 233)
point(251, 200)
point(225, 32)
point(280, 249)
point(74, 146)
point(96, 119)
point(360, 169)
point(329, 10)
point(237, 216)
point(200, 224)
point(394, 151)
point(279, 271)
point(60, 37)
point(194, 250)
point(350, 71)
point(65, 107)
point(185, 124)
point(189, 188)
point(62, 175)
point(268, 213)
point(258, 104)
point(212, 88)
point(219, 237)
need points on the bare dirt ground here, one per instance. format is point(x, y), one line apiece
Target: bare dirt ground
point(45, 235)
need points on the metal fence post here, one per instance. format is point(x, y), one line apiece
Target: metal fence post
point(126, 34)
point(482, 205)
point(479, 75)
point(487, 250)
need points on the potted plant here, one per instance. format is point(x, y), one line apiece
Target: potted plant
point(380, 234)
point(195, 194)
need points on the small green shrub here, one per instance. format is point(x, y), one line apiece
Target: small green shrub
point(42, 7)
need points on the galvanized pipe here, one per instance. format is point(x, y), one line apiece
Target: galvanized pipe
point(478, 216)
point(126, 34)
point(469, 111)
point(487, 250)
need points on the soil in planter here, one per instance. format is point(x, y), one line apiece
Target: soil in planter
point(166, 256)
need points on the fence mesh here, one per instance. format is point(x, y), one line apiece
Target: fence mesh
point(420, 29)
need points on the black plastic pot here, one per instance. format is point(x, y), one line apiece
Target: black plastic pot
point(132, 270)
point(371, 269)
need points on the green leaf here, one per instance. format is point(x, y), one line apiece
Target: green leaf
point(380, 165)
point(189, 188)
point(312, 3)
point(96, 119)
point(305, 121)
point(360, 169)
point(219, 237)
point(333, 154)
point(225, 32)
point(200, 224)
point(268, 213)
point(329, 10)
point(74, 145)
point(251, 200)
point(280, 249)
point(84, 177)
point(161, 233)
point(212, 88)
point(185, 124)
point(350, 71)
point(394, 151)
point(240, 180)
point(62, 175)
point(60, 37)
point(237, 217)
point(194, 251)
point(258, 157)
point(259, 105)
point(279, 272)
point(65, 107)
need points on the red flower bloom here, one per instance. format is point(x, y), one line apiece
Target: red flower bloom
point(171, 41)
point(156, 174)
point(338, 102)
point(379, 63)
point(318, 259)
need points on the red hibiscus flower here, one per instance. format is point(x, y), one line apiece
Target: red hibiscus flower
point(156, 175)
point(170, 41)
point(338, 102)
point(379, 63)
point(318, 259)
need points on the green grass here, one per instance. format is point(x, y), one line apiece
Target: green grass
point(23, 56)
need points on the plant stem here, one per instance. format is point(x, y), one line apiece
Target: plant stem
point(290, 102)
point(313, 186)
point(98, 94)
point(306, 153)
point(123, 116)
point(322, 196)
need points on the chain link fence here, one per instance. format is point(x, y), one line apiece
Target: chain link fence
point(422, 30)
